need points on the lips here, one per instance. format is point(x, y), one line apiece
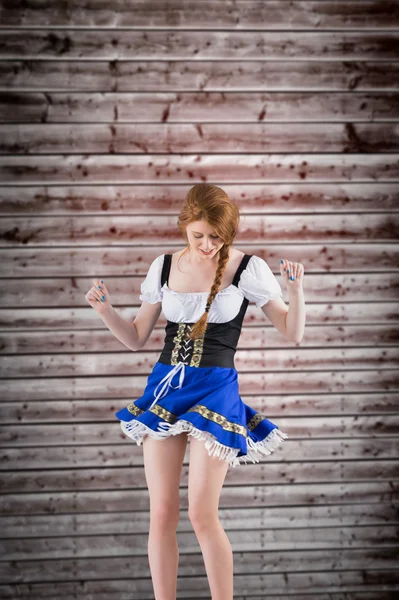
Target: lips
point(206, 253)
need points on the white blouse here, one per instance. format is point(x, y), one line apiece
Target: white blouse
point(257, 283)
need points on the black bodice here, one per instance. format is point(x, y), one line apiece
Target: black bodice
point(216, 347)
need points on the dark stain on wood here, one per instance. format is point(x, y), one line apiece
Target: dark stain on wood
point(58, 44)
point(165, 114)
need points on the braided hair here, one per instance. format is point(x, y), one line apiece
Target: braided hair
point(212, 204)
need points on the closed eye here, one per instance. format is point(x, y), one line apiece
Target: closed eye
point(200, 236)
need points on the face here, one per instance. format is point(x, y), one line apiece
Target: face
point(203, 239)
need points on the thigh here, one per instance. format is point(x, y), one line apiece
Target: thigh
point(163, 463)
point(205, 479)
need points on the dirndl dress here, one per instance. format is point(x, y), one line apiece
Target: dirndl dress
point(193, 386)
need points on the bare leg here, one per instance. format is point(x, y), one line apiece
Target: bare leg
point(206, 478)
point(163, 461)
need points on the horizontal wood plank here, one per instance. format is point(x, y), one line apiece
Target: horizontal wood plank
point(255, 335)
point(197, 107)
point(254, 168)
point(138, 231)
point(304, 494)
point(89, 455)
point(298, 585)
point(102, 478)
point(130, 386)
point(263, 198)
point(27, 139)
point(287, 360)
point(291, 518)
point(185, 76)
point(341, 314)
point(71, 434)
point(207, 14)
point(119, 44)
point(348, 548)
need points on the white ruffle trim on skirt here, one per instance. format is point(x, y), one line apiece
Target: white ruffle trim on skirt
point(255, 450)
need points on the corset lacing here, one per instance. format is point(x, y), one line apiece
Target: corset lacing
point(184, 350)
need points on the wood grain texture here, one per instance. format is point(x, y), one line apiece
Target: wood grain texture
point(108, 115)
point(193, 107)
point(206, 14)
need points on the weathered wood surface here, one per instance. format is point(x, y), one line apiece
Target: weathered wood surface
point(89, 455)
point(132, 498)
point(352, 554)
point(108, 114)
point(264, 518)
point(338, 317)
point(264, 198)
point(119, 44)
point(339, 585)
point(156, 76)
point(99, 478)
point(174, 168)
point(129, 385)
point(256, 336)
point(124, 138)
point(74, 434)
point(327, 264)
point(196, 106)
point(206, 14)
point(338, 360)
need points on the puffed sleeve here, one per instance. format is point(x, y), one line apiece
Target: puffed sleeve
point(151, 286)
point(258, 282)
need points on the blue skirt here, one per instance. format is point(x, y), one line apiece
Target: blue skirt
point(205, 402)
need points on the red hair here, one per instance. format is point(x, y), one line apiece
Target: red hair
point(211, 203)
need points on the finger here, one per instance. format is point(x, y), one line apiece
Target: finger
point(90, 298)
point(100, 289)
point(291, 274)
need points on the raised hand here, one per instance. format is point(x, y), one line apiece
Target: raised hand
point(292, 273)
point(98, 297)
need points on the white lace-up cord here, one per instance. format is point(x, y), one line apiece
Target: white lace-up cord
point(167, 381)
point(180, 366)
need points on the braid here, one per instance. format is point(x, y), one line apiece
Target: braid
point(200, 326)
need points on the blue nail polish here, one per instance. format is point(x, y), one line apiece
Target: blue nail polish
point(99, 287)
point(281, 260)
point(288, 270)
point(103, 298)
point(102, 281)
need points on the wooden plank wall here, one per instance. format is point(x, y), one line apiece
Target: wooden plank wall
point(109, 113)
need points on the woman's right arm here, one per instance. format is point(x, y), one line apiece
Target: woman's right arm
point(133, 335)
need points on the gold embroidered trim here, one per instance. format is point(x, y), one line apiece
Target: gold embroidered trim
point(178, 339)
point(183, 346)
point(158, 410)
point(219, 419)
point(254, 422)
point(197, 351)
point(169, 417)
point(135, 410)
point(164, 414)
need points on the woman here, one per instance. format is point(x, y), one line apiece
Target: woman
point(204, 292)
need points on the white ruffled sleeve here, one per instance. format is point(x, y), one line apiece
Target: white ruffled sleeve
point(258, 282)
point(151, 286)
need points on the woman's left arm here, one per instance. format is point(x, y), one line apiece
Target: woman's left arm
point(289, 320)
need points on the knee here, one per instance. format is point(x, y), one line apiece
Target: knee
point(165, 516)
point(201, 517)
